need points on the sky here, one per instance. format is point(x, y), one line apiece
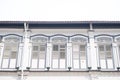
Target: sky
point(59, 10)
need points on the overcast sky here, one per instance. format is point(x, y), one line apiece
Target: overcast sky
point(59, 10)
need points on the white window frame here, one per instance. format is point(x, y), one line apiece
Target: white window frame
point(17, 65)
point(41, 43)
point(118, 50)
point(105, 43)
point(83, 41)
point(59, 43)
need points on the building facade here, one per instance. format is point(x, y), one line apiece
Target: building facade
point(87, 50)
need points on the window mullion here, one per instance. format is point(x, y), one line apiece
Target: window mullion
point(38, 55)
point(105, 52)
point(9, 59)
point(79, 57)
point(59, 56)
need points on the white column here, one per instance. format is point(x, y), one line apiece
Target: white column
point(114, 53)
point(29, 54)
point(118, 56)
point(69, 55)
point(88, 55)
point(1, 52)
point(97, 55)
point(92, 52)
point(48, 55)
point(19, 55)
point(25, 55)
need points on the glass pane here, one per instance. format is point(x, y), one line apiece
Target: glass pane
point(62, 46)
point(101, 47)
point(103, 63)
point(83, 63)
point(6, 54)
point(62, 50)
point(13, 54)
point(108, 47)
point(76, 48)
point(82, 47)
point(34, 63)
point(75, 55)
point(62, 55)
point(41, 63)
point(12, 63)
point(82, 55)
point(35, 48)
point(55, 55)
point(108, 55)
point(41, 55)
point(55, 47)
point(55, 63)
point(102, 55)
point(110, 63)
point(62, 63)
point(7, 47)
point(35, 55)
point(5, 63)
point(42, 47)
point(76, 63)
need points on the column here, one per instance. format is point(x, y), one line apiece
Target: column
point(92, 52)
point(88, 56)
point(48, 55)
point(115, 56)
point(1, 52)
point(25, 54)
point(19, 55)
point(69, 55)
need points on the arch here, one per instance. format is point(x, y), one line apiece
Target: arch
point(39, 38)
point(13, 35)
point(1, 38)
point(38, 35)
point(81, 37)
point(117, 38)
point(107, 35)
point(102, 37)
point(58, 36)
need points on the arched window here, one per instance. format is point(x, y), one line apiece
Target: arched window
point(105, 52)
point(118, 49)
point(10, 51)
point(79, 52)
point(39, 46)
point(59, 52)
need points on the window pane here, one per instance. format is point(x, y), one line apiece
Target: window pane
point(101, 47)
point(55, 47)
point(41, 55)
point(6, 54)
point(42, 47)
point(13, 54)
point(55, 55)
point(108, 47)
point(82, 55)
point(82, 47)
point(102, 55)
point(108, 55)
point(76, 48)
point(35, 48)
point(62, 55)
point(35, 55)
point(75, 55)
point(62, 46)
